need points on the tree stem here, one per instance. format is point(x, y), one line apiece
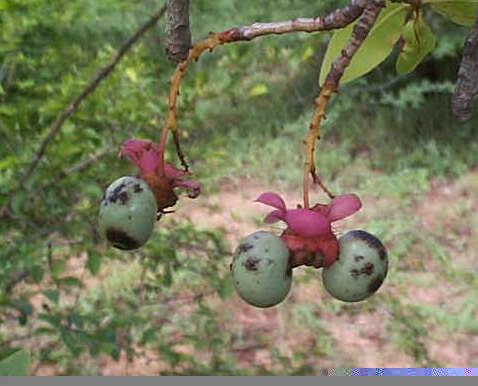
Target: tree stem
point(179, 35)
point(467, 83)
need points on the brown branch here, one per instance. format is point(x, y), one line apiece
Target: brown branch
point(179, 35)
point(331, 83)
point(334, 20)
point(467, 83)
point(74, 104)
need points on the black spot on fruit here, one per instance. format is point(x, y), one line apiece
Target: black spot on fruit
point(371, 241)
point(358, 258)
point(266, 250)
point(367, 269)
point(269, 261)
point(123, 197)
point(120, 239)
point(116, 193)
point(230, 267)
point(251, 264)
point(138, 188)
point(243, 248)
point(375, 284)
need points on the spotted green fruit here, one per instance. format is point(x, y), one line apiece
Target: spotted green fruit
point(360, 269)
point(260, 269)
point(127, 213)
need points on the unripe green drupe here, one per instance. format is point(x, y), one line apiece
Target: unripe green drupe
point(260, 269)
point(127, 213)
point(360, 269)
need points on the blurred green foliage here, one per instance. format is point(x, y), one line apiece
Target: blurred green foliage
point(243, 112)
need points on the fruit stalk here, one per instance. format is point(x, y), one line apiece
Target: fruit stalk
point(362, 28)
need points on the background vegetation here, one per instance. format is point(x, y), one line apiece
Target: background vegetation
point(83, 308)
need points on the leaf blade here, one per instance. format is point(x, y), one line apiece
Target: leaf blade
point(15, 364)
point(419, 40)
point(376, 47)
point(460, 12)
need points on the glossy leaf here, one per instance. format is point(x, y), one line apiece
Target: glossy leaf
point(419, 40)
point(460, 12)
point(376, 47)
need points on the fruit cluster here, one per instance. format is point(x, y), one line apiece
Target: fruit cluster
point(354, 267)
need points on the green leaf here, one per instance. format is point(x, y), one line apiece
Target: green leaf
point(307, 53)
point(94, 262)
point(19, 200)
point(225, 288)
point(7, 110)
point(419, 40)
point(22, 305)
point(107, 334)
point(167, 276)
point(52, 294)
point(376, 47)
point(4, 5)
point(70, 341)
point(7, 162)
point(15, 364)
point(92, 190)
point(7, 352)
point(37, 273)
point(70, 281)
point(258, 90)
point(44, 331)
point(131, 74)
point(76, 319)
point(57, 267)
point(54, 320)
point(84, 338)
point(149, 335)
point(460, 12)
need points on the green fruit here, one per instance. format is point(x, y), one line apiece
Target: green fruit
point(360, 269)
point(127, 213)
point(260, 270)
